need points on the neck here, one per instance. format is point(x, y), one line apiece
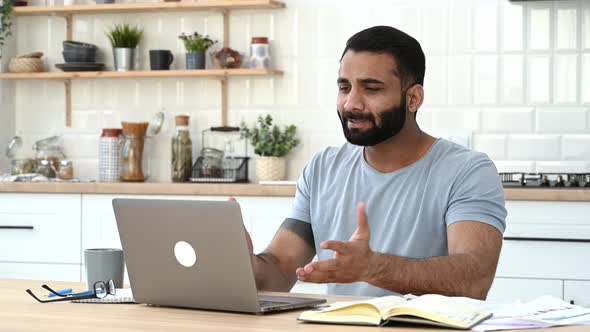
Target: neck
point(401, 150)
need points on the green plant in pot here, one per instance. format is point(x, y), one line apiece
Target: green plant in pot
point(196, 45)
point(271, 145)
point(124, 38)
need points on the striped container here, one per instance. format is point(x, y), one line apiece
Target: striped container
point(108, 155)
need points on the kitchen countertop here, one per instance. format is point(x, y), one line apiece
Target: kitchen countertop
point(150, 188)
point(247, 189)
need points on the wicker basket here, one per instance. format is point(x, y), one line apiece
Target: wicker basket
point(25, 65)
point(270, 168)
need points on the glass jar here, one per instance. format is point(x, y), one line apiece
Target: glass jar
point(66, 170)
point(260, 53)
point(182, 151)
point(45, 168)
point(212, 163)
point(22, 166)
point(134, 156)
point(49, 149)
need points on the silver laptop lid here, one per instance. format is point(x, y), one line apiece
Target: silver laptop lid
point(157, 236)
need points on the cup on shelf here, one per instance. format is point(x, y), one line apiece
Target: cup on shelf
point(161, 59)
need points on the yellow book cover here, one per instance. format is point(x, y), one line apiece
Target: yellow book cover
point(428, 309)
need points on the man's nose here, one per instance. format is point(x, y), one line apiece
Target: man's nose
point(354, 101)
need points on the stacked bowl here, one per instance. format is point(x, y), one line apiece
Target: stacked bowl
point(79, 57)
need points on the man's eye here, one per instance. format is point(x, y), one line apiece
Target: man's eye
point(372, 89)
point(343, 88)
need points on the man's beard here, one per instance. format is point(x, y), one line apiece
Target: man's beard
point(392, 122)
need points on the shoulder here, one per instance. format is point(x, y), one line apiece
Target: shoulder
point(462, 159)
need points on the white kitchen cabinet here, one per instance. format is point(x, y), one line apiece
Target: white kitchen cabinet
point(577, 292)
point(544, 259)
point(99, 227)
point(42, 230)
point(511, 289)
point(40, 271)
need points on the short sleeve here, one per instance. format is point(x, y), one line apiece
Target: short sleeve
point(478, 196)
point(301, 209)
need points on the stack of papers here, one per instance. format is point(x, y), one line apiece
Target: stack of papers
point(544, 311)
point(122, 295)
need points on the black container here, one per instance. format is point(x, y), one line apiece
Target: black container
point(161, 59)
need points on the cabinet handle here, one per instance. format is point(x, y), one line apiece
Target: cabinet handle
point(16, 227)
point(545, 239)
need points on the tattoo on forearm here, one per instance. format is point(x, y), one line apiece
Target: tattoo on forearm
point(301, 229)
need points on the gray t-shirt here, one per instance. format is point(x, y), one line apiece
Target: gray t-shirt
point(408, 210)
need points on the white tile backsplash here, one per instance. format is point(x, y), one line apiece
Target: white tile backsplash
point(567, 28)
point(485, 26)
point(565, 87)
point(585, 72)
point(539, 79)
point(534, 147)
point(461, 16)
point(561, 120)
point(512, 83)
point(576, 147)
point(485, 79)
point(540, 26)
point(517, 74)
point(512, 26)
point(586, 26)
point(507, 120)
point(493, 145)
point(460, 80)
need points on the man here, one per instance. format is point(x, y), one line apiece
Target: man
point(430, 213)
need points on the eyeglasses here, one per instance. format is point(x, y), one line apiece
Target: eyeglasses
point(100, 290)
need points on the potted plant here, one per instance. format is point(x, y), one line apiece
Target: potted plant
point(271, 144)
point(124, 40)
point(196, 45)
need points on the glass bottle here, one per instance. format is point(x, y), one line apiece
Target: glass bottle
point(134, 157)
point(182, 151)
point(45, 168)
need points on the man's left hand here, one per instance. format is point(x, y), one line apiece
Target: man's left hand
point(351, 258)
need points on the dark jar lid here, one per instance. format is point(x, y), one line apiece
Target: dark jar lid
point(259, 40)
point(111, 132)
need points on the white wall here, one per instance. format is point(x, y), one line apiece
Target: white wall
point(516, 74)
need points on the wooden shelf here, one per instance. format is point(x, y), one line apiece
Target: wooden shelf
point(224, 6)
point(146, 7)
point(214, 73)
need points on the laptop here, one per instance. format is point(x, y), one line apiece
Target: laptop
point(192, 254)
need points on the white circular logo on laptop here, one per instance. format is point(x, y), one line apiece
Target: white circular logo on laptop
point(185, 254)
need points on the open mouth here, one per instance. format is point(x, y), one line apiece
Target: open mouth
point(359, 123)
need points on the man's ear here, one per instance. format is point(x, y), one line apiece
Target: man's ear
point(414, 97)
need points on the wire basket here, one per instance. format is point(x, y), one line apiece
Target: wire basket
point(234, 171)
point(213, 167)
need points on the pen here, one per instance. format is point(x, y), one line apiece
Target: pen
point(60, 292)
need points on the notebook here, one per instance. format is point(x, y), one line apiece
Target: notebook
point(428, 309)
point(122, 295)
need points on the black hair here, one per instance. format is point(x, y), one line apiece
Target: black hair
point(406, 50)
